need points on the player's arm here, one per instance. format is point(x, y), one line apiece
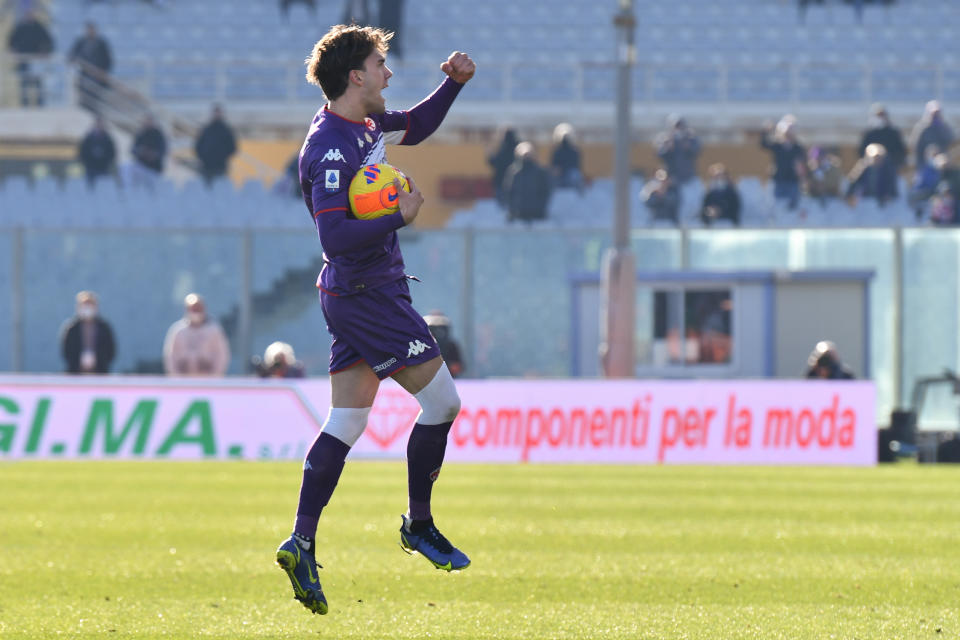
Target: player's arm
point(340, 233)
point(423, 119)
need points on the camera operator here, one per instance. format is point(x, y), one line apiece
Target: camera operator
point(824, 363)
point(278, 361)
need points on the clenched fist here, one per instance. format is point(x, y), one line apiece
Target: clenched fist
point(459, 67)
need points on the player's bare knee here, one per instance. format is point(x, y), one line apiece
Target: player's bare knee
point(439, 400)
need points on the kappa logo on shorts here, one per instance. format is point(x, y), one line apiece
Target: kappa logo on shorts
point(384, 365)
point(416, 348)
point(334, 154)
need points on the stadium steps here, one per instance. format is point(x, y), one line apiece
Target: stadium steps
point(271, 308)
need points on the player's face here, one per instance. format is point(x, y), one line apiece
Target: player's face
point(375, 76)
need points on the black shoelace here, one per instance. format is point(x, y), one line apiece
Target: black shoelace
point(435, 538)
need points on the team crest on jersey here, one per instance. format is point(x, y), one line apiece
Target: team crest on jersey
point(332, 181)
point(371, 125)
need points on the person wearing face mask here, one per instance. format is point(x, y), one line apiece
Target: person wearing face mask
point(881, 131)
point(931, 130)
point(721, 201)
point(86, 340)
point(789, 159)
point(196, 345)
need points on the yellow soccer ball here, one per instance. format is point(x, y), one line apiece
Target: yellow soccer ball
point(372, 193)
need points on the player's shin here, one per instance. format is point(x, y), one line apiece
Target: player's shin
point(324, 464)
point(425, 451)
point(440, 404)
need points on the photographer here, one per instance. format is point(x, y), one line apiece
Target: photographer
point(824, 363)
point(278, 361)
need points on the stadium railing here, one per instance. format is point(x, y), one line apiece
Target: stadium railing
point(507, 291)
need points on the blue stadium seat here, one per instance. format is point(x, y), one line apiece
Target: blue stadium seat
point(772, 84)
point(672, 35)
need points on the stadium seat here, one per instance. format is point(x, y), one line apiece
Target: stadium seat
point(673, 35)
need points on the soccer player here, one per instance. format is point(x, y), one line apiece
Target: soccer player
point(364, 294)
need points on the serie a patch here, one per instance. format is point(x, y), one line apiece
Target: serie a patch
point(332, 181)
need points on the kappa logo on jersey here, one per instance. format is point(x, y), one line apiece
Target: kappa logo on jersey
point(360, 143)
point(416, 348)
point(370, 123)
point(334, 154)
point(332, 181)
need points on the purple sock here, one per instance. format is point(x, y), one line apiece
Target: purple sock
point(321, 471)
point(425, 449)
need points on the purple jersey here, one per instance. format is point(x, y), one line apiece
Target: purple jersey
point(360, 254)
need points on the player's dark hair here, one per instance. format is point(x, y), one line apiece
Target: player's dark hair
point(343, 49)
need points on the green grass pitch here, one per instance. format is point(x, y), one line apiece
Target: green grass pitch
point(185, 550)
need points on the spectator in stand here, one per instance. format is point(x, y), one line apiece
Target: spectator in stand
point(949, 172)
point(86, 340)
point(91, 52)
point(678, 149)
point(356, 12)
point(874, 176)
point(195, 345)
point(97, 152)
point(943, 205)
point(440, 328)
point(722, 200)
point(945, 202)
point(527, 185)
point(824, 363)
point(802, 8)
point(662, 197)
point(390, 17)
point(926, 178)
point(789, 159)
point(930, 130)
point(279, 361)
point(824, 176)
point(214, 146)
point(882, 132)
point(500, 160)
point(857, 9)
point(288, 184)
point(29, 40)
point(285, 6)
point(565, 159)
point(149, 153)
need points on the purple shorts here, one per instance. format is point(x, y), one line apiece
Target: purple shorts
point(379, 327)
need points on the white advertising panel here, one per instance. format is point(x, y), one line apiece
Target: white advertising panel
point(600, 421)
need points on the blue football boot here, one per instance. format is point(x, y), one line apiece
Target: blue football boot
point(431, 544)
point(301, 568)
